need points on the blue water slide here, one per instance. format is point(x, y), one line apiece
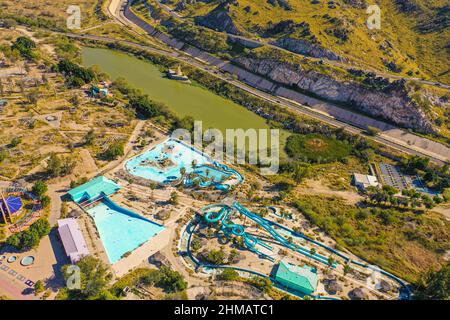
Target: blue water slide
point(267, 225)
point(236, 229)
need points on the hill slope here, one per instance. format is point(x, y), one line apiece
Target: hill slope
point(414, 38)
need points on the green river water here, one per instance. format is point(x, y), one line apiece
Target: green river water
point(184, 99)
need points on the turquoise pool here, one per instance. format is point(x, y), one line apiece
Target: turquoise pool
point(121, 230)
point(163, 162)
point(212, 173)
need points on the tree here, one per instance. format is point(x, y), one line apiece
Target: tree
point(30, 238)
point(59, 166)
point(89, 138)
point(153, 186)
point(25, 46)
point(347, 269)
point(372, 131)
point(331, 261)
point(415, 163)
point(39, 287)
point(33, 97)
point(216, 257)
point(171, 280)
point(94, 278)
point(174, 198)
point(40, 188)
point(434, 285)
point(114, 151)
point(233, 255)
point(3, 155)
point(15, 142)
point(228, 274)
point(196, 244)
point(75, 101)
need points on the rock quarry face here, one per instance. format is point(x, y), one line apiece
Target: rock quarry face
point(306, 48)
point(395, 105)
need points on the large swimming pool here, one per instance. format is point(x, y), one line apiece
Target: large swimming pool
point(163, 162)
point(121, 230)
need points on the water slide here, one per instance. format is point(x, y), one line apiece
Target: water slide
point(250, 241)
point(227, 169)
point(268, 226)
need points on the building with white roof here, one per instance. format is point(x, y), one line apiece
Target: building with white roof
point(72, 239)
point(363, 181)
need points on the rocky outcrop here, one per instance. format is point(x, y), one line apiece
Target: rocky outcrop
point(219, 19)
point(407, 6)
point(358, 4)
point(306, 48)
point(390, 102)
point(282, 3)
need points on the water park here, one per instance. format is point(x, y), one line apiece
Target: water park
point(121, 230)
point(173, 162)
point(294, 262)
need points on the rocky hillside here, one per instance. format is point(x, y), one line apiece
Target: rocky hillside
point(366, 93)
point(413, 41)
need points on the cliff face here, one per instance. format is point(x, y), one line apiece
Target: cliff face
point(306, 48)
point(395, 105)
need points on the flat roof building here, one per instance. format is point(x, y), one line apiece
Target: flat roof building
point(72, 239)
point(303, 279)
point(93, 189)
point(363, 181)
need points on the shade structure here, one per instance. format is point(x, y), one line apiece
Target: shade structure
point(14, 204)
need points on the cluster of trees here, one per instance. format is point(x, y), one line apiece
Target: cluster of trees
point(435, 179)
point(115, 150)
point(228, 274)
point(388, 195)
point(200, 37)
point(3, 155)
point(170, 280)
point(219, 257)
point(26, 47)
point(59, 166)
point(94, 280)
point(76, 76)
point(40, 189)
point(434, 285)
point(216, 257)
point(36, 21)
point(31, 237)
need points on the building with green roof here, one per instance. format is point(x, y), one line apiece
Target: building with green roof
point(303, 279)
point(94, 189)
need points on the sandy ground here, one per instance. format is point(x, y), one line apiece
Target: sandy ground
point(318, 188)
point(49, 258)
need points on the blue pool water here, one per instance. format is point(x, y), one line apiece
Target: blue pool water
point(121, 230)
point(212, 173)
point(178, 153)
